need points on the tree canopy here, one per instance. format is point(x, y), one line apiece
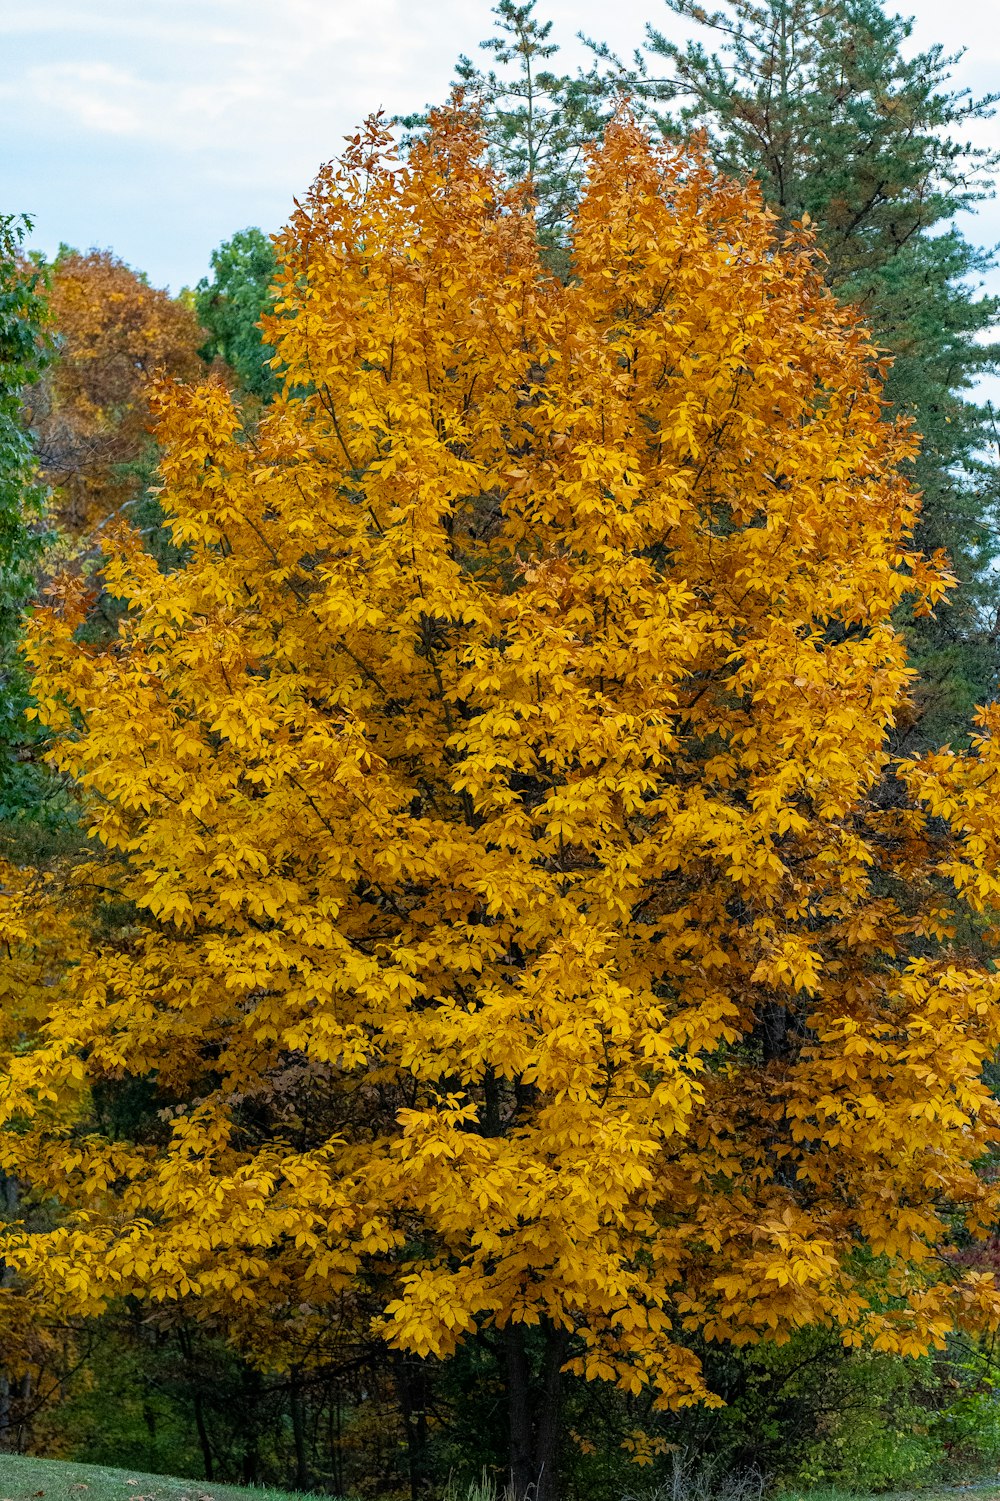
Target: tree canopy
point(823, 103)
point(841, 121)
point(230, 304)
point(89, 412)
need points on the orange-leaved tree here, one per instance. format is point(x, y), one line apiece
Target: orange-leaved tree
point(90, 412)
point(517, 919)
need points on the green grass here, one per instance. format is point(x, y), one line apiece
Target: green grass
point(981, 1490)
point(25, 1479)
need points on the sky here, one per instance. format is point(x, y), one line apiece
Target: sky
point(159, 127)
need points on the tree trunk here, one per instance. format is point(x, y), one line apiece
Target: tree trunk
point(411, 1386)
point(197, 1401)
point(203, 1438)
point(533, 1407)
point(250, 1458)
point(334, 1436)
point(518, 1410)
point(549, 1413)
point(298, 1430)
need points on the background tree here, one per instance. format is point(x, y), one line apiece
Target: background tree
point(230, 304)
point(817, 100)
point(538, 122)
point(90, 412)
point(24, 353)
point(24, 350)
point(514, 941)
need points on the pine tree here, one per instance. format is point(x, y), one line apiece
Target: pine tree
point(538, 122)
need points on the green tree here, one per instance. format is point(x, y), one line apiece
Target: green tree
point(817, 100)
point(538, 121)
point(230, 303)
point(24, 351)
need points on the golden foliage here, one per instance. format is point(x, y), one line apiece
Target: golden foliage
point(523, 918)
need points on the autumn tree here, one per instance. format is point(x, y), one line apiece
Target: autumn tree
point(825, 104)
point(90, 412)
point(513, 930)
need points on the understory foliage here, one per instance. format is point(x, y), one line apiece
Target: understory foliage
point(506, 928)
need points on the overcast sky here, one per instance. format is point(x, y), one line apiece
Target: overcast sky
point(158, 127)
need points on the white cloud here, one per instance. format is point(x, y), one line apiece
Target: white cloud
point(159, 126)
point(92, 96)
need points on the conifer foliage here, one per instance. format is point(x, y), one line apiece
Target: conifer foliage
point(539, 122)
point(511, 927)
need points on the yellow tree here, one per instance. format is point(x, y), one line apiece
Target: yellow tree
point(516, 917)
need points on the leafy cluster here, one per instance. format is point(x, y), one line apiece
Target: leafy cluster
point(24, 352)
point(89, 411)
point(230, 305)
point(822, 105)
point(843, 125)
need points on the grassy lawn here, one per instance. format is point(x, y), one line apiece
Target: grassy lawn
point(25, 1479)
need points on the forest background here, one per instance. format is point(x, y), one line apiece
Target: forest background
point(848, 128)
